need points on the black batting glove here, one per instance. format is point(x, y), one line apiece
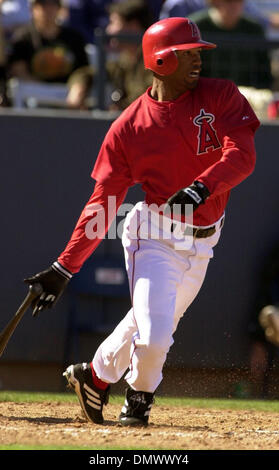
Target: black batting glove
point(54, 281)
point(195, 194)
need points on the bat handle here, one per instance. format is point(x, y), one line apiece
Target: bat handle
point(34, 291)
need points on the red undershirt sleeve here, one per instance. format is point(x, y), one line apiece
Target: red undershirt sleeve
point(92, 225)
point(113, 178)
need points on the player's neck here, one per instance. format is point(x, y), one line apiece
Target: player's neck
point(163, 91)
point(48, 31)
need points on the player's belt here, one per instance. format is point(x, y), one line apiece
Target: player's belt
point(200, 232)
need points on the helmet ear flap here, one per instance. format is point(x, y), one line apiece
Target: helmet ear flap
point(165, 62)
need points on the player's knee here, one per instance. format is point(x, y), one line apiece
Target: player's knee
point(156, 347)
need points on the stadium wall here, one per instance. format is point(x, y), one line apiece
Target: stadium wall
point(46, 161)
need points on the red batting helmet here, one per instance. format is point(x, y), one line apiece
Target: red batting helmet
point(161, 39)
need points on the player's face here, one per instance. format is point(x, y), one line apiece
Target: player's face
point(45, 14)
point(188, 71)
point(230, 11)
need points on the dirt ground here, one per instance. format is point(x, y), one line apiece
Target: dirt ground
point(63, 424)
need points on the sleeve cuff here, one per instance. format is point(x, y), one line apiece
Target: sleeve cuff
point(61, 270)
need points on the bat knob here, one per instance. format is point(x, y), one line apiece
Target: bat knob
point(36, 289)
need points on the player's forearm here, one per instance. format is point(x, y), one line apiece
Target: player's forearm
point(237, 163)
point(91, 227)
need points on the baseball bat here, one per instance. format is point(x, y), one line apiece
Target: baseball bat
point(34, 291)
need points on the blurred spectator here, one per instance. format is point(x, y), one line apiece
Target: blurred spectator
point(14, 13)
point(246, 66)
point(47, 52)
point(187, 7)
point(273, 109)
point(154, 6)
point(85, 16)
point(263, 327)
point(3, 94)
point(126, 73)
point(180, 7)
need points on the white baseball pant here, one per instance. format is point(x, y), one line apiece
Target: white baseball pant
point(165, 275)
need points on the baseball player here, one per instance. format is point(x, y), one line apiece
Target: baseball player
point(188, 141)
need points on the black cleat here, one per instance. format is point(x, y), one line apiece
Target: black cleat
point(91, 398)
point(136, 409)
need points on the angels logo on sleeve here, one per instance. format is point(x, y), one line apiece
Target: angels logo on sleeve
point(207, 136)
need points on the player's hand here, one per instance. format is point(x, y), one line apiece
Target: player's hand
point(195, 194)
point(54, 281)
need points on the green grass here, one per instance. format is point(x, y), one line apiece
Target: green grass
point(36, 397)
point(218, 403)
point(223, 403)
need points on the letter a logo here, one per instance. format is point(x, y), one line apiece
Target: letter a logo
point(195, 30)
point(207, 137)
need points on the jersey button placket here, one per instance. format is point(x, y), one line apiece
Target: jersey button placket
point(172, 113)
point(164, 116)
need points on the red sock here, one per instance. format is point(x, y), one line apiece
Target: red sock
point(98, 382)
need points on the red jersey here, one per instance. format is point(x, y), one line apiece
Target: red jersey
point(207, 134)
